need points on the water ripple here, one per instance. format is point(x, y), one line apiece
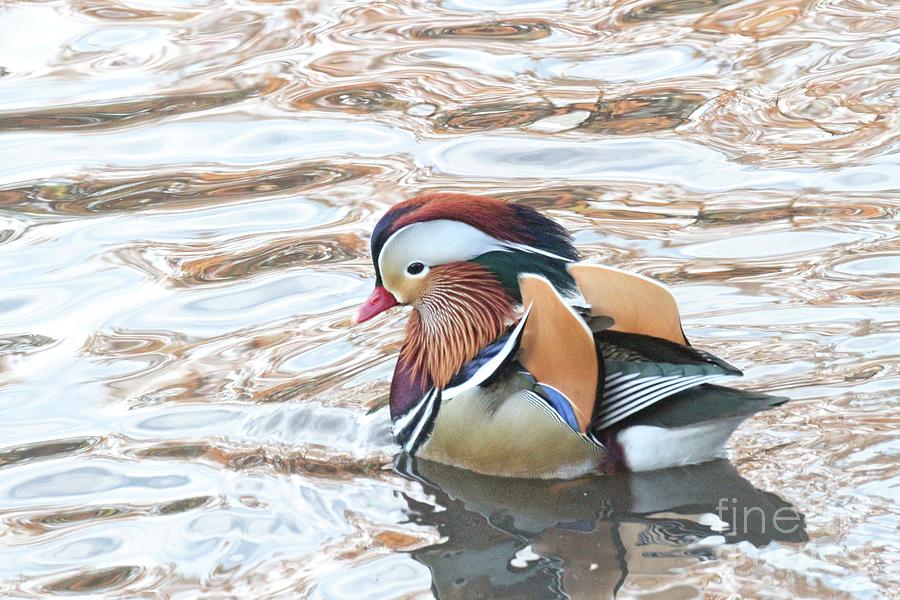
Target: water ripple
point(187, 188)
point(87, 195)
point(95, 581)
point(504, 30)
point(118, 114)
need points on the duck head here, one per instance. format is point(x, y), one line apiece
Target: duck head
point(456, 260)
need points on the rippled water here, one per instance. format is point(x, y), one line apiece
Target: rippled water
point(186, 193)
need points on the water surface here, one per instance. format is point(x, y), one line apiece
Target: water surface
point(186, 193)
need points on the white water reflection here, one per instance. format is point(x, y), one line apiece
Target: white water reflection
point(670, 161)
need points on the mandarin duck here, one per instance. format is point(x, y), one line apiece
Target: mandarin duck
point(521, 361)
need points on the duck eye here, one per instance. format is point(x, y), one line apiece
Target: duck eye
point(415, 268)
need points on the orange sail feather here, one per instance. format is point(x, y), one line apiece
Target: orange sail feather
point(558, 348)
point(636, 303)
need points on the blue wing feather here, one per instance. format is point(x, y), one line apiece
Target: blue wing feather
point(560, 404)
point(469, 369)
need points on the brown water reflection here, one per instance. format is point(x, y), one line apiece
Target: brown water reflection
point(186, 193)
point(118, 114)
point(624, 116)
point(87, 195)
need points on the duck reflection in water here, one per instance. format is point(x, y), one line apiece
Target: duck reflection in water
point(520, 538)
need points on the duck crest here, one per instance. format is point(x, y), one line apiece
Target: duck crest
point(464, 309)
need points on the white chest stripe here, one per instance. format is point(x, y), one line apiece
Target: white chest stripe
point(415, 414)
point(488, 368)
point(427, 412)
point(403, 422)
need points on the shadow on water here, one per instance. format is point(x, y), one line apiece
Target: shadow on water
point(583, 538)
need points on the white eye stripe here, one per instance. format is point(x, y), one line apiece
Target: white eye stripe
point(434, 243)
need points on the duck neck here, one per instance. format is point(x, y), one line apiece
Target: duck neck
point(464, 309)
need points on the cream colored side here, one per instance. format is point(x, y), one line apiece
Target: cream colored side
point(509, 437)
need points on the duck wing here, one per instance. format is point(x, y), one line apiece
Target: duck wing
point(644, 355)
point(593, 369)
point(703, 404)
point(639, 371)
